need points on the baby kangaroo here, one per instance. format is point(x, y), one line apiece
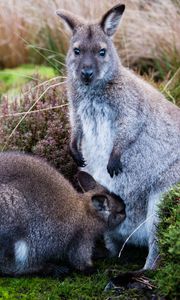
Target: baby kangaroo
point(43, 219)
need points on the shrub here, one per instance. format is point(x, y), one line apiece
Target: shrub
point(45, 132)
point(167, 277)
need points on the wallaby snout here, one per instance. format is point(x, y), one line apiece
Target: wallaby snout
point(87, 74)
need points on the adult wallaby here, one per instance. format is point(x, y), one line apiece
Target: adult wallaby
point(43, 219)
point(123, 131)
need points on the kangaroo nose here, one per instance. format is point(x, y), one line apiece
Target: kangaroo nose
point(87, 73)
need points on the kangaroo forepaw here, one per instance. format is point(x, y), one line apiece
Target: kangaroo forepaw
point(114, 166)
point(77, 157)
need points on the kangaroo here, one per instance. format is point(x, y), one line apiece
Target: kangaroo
point(43, 219)
point(123, 131)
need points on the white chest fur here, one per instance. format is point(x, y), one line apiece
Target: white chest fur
point(97, 141)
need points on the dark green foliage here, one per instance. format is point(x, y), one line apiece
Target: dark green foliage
point(167, 277)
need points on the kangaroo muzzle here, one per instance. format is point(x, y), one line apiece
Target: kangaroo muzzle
point(87, 75)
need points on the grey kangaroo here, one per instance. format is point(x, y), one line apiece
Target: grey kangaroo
point(44, 220)
point(124, 132)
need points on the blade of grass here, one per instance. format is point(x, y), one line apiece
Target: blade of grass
point(34, 111)
point(43, 83)
point(27, 43)
point(136, 229)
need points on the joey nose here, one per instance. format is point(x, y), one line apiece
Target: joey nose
point(87, 74)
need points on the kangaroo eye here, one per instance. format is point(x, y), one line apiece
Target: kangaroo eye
point(102, 52)
point(76, 51)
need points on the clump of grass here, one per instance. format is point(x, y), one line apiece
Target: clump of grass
point(171, 88)
point(149, 32)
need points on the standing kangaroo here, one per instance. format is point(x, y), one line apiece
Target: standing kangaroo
point(43, 219)
point(124, 132)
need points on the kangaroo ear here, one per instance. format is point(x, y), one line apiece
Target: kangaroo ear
point(111, 19)
point(86, 181)
point(101, 204)
point(71, 20)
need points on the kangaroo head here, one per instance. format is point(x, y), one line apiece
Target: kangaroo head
point(92, 55)
point(107, 205)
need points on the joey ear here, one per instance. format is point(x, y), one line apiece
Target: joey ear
point(71, 20)
point(100, 203)
point(111, 19)
point(86, 181)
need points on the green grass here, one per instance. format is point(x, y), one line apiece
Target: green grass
point(12, 80)
point(76, 286)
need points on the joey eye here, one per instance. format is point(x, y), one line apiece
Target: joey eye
point(77, 51)
point(102, 52)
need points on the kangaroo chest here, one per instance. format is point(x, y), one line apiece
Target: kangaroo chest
point(98, 133)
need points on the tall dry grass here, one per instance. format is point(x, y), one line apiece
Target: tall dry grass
point(150, 28)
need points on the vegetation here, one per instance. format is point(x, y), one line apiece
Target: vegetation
point(167, 277)
point(45, 130)
point(75, 287)
point(13, 80)
point(149, 34)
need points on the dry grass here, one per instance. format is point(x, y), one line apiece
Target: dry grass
point(150, 29)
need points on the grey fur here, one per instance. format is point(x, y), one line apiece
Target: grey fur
point(43, 219)
point(123, 127)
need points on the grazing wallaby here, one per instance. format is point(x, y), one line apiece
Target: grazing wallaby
point(124, 132)
point(43, 219)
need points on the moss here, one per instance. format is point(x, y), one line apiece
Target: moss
point(76, 286)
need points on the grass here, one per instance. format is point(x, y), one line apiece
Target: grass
point(13, 80)
point(149, 32)
point(171, 88)
point(76, 286)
